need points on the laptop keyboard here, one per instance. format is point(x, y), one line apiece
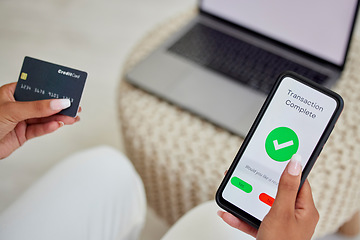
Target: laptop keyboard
point(237, 59)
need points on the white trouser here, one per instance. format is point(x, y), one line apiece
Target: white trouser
point(97, 194)
point(202, 222)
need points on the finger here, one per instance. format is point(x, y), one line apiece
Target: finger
point(80, 109)
point(7, 92)
point(288, 186)
point(58, 117)
point(19, 111)
point(37, 130)
point(305, 198)
point(237, 223)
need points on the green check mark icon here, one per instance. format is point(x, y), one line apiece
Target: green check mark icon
point(281, 144)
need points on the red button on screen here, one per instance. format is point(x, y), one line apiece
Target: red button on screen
point(266, 199)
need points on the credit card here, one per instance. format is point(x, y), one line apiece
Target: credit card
point(41, 80)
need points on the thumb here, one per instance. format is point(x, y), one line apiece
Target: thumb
point(289, 185)
point(20, 111)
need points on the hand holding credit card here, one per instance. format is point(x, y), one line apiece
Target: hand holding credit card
point(41, 80)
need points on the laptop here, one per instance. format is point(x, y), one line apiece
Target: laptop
point(223, 63)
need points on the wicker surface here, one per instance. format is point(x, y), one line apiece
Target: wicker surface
point(182, 158)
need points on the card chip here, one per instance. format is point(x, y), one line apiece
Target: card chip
point(23, 76)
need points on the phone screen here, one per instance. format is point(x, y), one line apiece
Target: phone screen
point(293, 122)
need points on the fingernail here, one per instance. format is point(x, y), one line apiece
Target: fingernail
point(61, 123)
point(59, 104)
point(220, 213)
point(295, 165)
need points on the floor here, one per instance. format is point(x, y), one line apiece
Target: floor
point(94, 36)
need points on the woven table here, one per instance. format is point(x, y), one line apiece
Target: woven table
point(182, 158)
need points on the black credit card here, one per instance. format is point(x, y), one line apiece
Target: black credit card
point(41, 80)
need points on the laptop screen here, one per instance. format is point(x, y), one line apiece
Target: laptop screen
point(321, 28)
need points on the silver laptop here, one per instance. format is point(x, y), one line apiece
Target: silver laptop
point(223, 63)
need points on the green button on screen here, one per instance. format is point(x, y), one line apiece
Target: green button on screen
point(237, 182)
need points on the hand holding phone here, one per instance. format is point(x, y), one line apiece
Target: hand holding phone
point(296, 118)
point(294, 210)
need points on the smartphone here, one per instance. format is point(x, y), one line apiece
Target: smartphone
point(297, 117)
